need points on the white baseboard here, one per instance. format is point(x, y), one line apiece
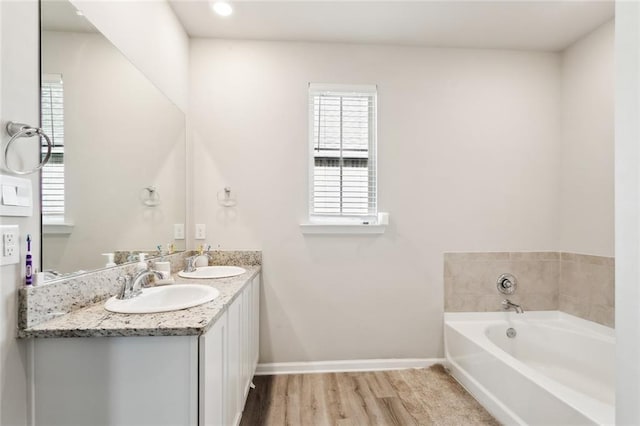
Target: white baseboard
point(345, 366)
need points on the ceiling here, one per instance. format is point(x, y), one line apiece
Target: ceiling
point(59, 15)
point(509, 24)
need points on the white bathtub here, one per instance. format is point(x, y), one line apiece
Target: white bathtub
point(558, 370)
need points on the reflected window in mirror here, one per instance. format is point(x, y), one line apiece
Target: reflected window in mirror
point(53, 194)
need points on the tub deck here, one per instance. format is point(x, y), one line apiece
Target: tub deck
point(559, 369)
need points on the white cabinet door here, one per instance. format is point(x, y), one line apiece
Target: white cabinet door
point(213, 374)
point(115, 381)
point(234, 395)
point(241, 348)
point(255, 323)
point(246, 341)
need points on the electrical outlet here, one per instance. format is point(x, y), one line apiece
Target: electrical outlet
point(201, 231)
point(178, 231)
point(10, 244)
point(9, 237)
point(9, 251)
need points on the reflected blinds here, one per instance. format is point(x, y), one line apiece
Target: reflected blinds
point(52, 110)
point(343, 144)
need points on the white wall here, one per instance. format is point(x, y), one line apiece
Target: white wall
point(468, 160)
point(587, 145)
point(121, 135)
point(627, 216)
point(160, 49)
point(150, 35)
point(19, 99)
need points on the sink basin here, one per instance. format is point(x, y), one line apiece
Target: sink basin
point(164, 299)
point(213, 272)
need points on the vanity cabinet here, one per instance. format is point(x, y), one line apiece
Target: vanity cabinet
point(150, 380)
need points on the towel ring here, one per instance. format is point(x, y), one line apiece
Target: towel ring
point(20, 130)
point(150, 196)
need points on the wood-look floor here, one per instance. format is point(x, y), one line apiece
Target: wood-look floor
point(402, 397)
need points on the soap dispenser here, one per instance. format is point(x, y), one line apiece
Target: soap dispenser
point(142, 262)
point(110, 261)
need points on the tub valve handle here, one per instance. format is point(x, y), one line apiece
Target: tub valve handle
point(507, 284)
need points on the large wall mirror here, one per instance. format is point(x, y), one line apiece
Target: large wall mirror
point(116, 180)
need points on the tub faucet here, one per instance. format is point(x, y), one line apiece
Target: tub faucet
point(507, 305)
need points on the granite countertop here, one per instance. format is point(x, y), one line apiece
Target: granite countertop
point(95, 321)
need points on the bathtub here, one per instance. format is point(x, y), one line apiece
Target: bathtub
point(557, 370)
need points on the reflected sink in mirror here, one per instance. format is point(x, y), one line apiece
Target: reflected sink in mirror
point(206, 272)
point(163, 299)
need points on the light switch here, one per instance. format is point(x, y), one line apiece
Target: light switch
point(16, 197)
point(9, 195)
point(23, 196)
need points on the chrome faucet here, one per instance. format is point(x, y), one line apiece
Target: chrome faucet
point(190, 262)
point(507, 305)
point(132, 287)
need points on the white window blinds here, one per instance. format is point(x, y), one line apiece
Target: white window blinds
point(343, 147)
point(52, 111)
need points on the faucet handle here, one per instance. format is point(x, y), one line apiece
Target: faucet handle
point(125, 282)
point(507, 284)
point(189, 263)
point(124, 279)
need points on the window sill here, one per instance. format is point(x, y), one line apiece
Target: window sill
point(344, 229)
point(57, 227)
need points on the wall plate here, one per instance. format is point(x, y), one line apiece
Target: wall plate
point(9, 244)
point(178, 231)
point(201, 231)
point(16, 196)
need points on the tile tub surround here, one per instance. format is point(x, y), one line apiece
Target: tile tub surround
point(578, 284)
point(587, 287)
point(43, 303)
point(470, 280)
point(95, 321)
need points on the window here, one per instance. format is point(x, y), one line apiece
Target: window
point(343, 153)
point(52, 110)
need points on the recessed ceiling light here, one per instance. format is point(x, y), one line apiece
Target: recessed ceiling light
point(222, 8)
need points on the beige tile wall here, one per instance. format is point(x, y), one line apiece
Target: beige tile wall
point(581, 285)
point(587, 288)
point(470, 280)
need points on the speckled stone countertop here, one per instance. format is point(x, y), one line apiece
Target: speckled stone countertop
point(95, 321)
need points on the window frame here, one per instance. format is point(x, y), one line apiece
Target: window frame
point(55, 223)
point(371, 218)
